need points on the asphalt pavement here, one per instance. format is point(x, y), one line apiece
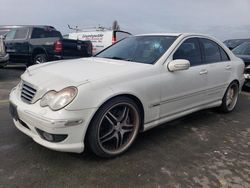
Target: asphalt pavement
point(204, 149)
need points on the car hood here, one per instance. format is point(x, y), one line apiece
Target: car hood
point(78, 71)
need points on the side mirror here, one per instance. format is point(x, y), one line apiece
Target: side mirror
point(178, 65)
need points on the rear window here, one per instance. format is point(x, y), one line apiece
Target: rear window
point(45, 33)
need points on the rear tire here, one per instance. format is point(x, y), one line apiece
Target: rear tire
point(114, 127)
point(230, 98)
point(39, 58)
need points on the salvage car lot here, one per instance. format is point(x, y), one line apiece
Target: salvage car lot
point(203, 149)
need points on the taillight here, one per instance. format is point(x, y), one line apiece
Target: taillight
point(58, 46)
point(113, 39)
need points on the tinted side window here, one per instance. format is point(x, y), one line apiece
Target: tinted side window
point(189, 50)
point(38, 33)
point(43, 33)
point(52, 33)
point(21, 33)
point(224, 56)
point(211, 51)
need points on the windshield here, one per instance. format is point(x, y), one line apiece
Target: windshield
point(141, 49)
point(243, 49)
point(3, 32)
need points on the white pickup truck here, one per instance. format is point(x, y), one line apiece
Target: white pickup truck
point(100, 37)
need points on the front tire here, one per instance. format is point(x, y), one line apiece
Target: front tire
point(114, 127)
point(230, 98)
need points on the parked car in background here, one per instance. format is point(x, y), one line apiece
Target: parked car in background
point(134, 85)
point(100, 37)
point(38, 44)
point(243, 51)
point(4, 57)
point(4, 30)
point(232, 43)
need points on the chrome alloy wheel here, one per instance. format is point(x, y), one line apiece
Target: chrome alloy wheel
point(118, 128)
point(232, 96)
point(39, 59)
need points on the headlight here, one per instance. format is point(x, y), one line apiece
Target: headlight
point(58, 100)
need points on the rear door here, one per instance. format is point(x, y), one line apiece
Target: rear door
point(219, 68)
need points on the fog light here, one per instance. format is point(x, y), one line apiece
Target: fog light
point(48, 136)
point(51, 137)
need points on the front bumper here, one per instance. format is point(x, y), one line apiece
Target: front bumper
point(32, 117)
point(247, 76)
point(247, 79)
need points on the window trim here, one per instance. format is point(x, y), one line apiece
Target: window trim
point(200, 49)
point(219, 48)
point(60, 35)
point(225, 53)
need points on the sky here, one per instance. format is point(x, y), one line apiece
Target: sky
point(223, 19)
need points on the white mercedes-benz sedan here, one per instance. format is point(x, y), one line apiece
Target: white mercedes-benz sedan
point(132, 86)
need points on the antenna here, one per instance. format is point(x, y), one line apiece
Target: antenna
point(89, 28)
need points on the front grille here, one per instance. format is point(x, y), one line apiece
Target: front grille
point(247, 70)
point(27, 93)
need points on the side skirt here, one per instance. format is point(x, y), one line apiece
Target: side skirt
point(171, 117)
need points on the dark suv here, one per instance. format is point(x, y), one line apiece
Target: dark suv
point(38, 44)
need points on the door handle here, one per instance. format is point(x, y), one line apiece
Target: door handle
point(204, 71)
point(228, 67)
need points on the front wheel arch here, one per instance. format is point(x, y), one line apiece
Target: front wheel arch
point(134, 98)
point(91, 133)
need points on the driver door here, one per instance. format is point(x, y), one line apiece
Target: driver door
point(184, 90)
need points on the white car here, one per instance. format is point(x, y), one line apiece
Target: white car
point(134, 85)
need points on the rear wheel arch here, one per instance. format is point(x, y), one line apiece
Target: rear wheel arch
point(225, 107)
point(38, 51)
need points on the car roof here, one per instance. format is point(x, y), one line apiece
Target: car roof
point(19, 26)
point(174, 34)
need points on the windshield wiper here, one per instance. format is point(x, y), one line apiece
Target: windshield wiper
point(118, 58)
